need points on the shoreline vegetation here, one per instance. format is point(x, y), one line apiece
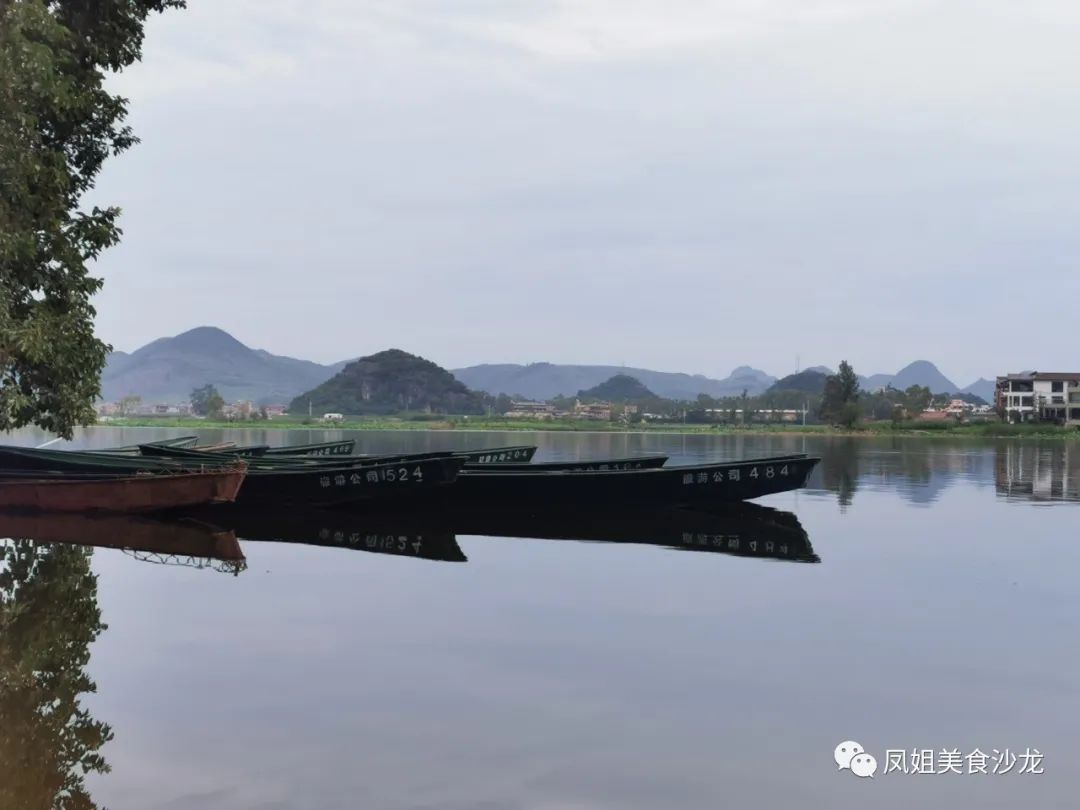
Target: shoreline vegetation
point(984, 430)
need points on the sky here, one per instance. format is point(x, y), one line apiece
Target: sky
point(686, 186)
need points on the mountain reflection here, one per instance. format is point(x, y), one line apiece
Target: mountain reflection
point(49, 616)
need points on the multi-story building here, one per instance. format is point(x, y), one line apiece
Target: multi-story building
point(1039, 396)
point(601, 411)
point(530, 410)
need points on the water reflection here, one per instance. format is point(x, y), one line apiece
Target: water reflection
point(175, 540)
point(49, 616)
point(1038, 472)
point(746, 530)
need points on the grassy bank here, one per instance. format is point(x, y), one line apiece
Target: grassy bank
point(919, 429)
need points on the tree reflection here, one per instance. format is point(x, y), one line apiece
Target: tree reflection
point(49, 616)
point(840, 469)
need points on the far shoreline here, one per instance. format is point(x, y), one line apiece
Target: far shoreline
point(481, 424)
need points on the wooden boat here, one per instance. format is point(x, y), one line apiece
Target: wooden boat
point(119, 493)
point(338, 528)
point(244, 451)
point(40, 460)
point(593, 465)
point(519, 454)
point(162, 540)
point(259, 461)
point(684, 485)
point(344, 447)
point(214, 448)
point(348, 484)
point(179, 441)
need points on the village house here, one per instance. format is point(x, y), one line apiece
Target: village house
point(600, 411)
point(530, 410)
point(1039, 396)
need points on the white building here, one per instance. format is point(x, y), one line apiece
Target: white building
point(1039, 396)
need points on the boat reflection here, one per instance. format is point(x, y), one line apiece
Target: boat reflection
point(49, 617)
point(746, 530)
point(166, 540)
point(339, 529)
point(209, 538)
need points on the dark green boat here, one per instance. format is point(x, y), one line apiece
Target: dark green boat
point(688, 485)
point(345, 447)
point(312, 485)
point(583, 465)
point(179, 441)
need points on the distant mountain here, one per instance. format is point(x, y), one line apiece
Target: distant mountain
point(982, 388)
point(925, 373)
point(546, 380)
point(620, 388)
point(390, 382)
point(875, 381)
point(828, 372)
point(921, 372)
point(168, 369)
point(811, 381)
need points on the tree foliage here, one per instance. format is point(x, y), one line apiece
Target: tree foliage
point(49, 616)
point(206, 401)
point(58, 124)
point(840, 400)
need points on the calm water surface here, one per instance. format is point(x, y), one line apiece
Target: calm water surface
point(941, 613)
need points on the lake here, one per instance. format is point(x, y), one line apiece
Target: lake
point(925, 601)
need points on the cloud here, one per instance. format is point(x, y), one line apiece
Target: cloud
point(477, 167)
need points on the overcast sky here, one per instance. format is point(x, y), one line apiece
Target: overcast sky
point(682, 185)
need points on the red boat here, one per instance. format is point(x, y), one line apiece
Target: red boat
point(127, 493)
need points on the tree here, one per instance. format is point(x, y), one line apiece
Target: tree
point(840, 402)
point(917, 399)
point(129, 404)
point(57, 125)
point(206, 401)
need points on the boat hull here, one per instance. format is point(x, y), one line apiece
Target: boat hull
point(121, 494)
point(588, 465)
point(347, 484)
point(686, 485)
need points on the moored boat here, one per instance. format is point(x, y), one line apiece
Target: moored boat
point(343, 447)
point(178, 441)
point(348, 484)
point(517, 454)
point(119, 493)
point(594, 465)
point(686, 485)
